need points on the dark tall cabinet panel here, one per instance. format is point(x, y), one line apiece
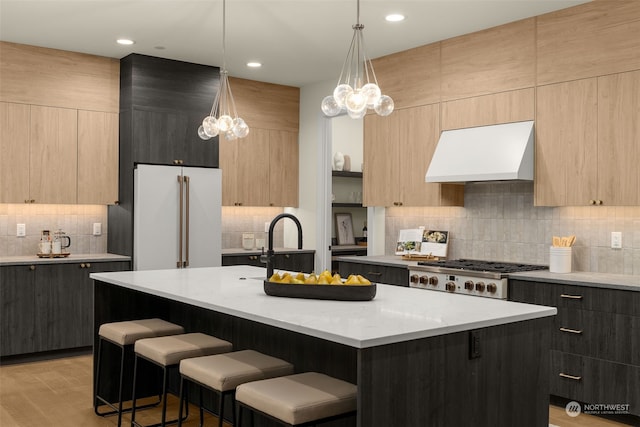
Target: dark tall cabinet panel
point(162, 104)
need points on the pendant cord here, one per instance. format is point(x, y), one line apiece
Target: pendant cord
point(224, 35)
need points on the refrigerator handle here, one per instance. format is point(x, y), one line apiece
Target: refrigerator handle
point(180, 222)
point(186, 226)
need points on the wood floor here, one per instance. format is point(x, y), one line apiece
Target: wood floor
point(58, 392)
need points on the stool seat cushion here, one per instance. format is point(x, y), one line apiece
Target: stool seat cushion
point(128, 332)
point(170, 350)
point(300, 398)
point(224, 372)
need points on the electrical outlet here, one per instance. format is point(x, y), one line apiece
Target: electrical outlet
point(21, 230)
point(97, 228)
point(266, 226)
point(616, 240)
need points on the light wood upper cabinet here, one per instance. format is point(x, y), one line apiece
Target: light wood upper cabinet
point(261, 169)
point(397, 153)
point(416, 82)
point(53, 155)
point(589, 40)
point(587, 142)
point(14, 152)
point(566, 144)
point(283, 168)
point(505, 107)
point(97, 157)
point(495, 60)
point(619, 139)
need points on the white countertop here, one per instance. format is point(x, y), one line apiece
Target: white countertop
point(583, 278)
point(34, 259)
point(396, 314)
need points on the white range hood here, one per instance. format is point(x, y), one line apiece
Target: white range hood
point(489, 153)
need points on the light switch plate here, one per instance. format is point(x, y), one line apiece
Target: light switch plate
point(21, 230)
point(616, 240)
point(97, 228)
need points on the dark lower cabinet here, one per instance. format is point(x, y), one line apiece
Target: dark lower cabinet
point(48, 307)
point(595, 345)
point(398, 276)
point(291, 261)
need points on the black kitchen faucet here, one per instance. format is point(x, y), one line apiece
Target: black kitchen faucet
point(268, 258)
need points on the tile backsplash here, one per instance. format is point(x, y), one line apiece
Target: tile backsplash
point(76, 220)
point(237, 220)
point(499, 222)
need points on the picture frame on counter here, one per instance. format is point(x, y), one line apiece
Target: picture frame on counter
point(344, 229)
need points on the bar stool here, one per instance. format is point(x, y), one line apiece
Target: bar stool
point(167, 352)
point(222, 373)
point(298, 400)
point(123, 335)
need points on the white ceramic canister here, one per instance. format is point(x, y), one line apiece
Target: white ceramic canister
point(559, 259)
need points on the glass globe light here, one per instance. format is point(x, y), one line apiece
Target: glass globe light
point(357, 114)
point(240, 128)
point(356, 102)
point(210, 126)
point(384, 106)
point(340, 94)
point(371, 93)
point(330, 107)
point(230, 135)
point(225, 123)
point(202, 134)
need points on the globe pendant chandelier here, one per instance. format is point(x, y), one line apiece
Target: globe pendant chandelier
point(223, 118)
point(357, 88)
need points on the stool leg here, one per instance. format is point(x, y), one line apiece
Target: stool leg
point(221, 409)
point(239, 417)
point(120, 386)
point(200, 403)
point(181, 401)
point(233, 407)
point(164, 394)
point(97, 385)
point(133, 392)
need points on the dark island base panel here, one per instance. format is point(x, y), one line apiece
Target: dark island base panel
point(445, 388)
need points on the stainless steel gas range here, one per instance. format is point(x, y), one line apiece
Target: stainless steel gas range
point(467, 276)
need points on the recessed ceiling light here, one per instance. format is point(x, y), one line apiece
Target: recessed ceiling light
point(254, 64)
point(125, 42)
point(394, 17)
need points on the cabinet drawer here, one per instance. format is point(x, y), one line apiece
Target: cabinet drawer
point(253, 260)
point(598, 334)
point(303, 262)
point(575, 297)
point(591, 380)
point(398, 276)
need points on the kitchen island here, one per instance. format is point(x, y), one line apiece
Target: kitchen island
point(418, 358)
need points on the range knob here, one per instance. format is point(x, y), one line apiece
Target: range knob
point(414, 278)
point(433, 280)
point(480, 286)
point(451, 287)
point(424, 280)
point(492, 288)
point(468, 285)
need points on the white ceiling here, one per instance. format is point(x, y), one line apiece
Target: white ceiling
point(298, 41)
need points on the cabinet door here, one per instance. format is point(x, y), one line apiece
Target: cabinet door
point(419, 131)
point(283, 168)
point(566, 142)
point(381, 156)
point(294, 262)
point(53, 155)
point(14, 146)
point(97, 157)
point(398, 276)
point(168, 138)
point(619, 139)
point(228, 165)
point(17, 314)
point(252, 168)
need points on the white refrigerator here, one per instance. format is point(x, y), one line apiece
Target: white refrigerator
point(176, 217)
